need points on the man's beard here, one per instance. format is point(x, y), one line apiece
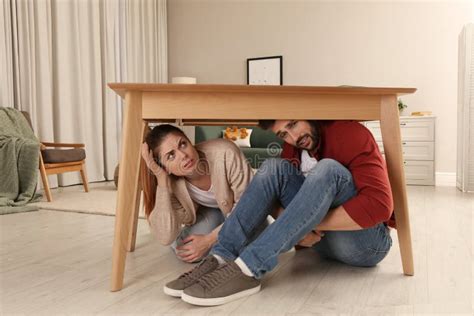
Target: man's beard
point(314, 136)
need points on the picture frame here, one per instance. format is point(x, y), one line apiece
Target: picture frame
point(265, 70)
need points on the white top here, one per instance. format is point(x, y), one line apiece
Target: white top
point(201, 197)
point(307, 162)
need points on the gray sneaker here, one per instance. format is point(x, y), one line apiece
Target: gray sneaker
point(225, 284)
point(175, 288)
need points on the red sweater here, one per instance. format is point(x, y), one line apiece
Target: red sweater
point(352, 145)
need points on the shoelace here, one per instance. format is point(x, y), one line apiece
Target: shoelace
point(196, 271)
point(217, 277)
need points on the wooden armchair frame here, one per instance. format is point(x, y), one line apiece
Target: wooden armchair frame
point(61, 167)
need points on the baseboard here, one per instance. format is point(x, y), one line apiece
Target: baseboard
point(446, 179)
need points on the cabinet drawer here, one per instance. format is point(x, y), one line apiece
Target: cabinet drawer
point(411, 130)
point(419, 172)
point(415, 150)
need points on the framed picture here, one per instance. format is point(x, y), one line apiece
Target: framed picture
point(265, 70)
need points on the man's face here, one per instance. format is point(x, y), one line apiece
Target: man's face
point(296, 133)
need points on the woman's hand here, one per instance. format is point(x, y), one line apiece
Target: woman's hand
point(150, 162)
point(194, 247)
point(311, 238)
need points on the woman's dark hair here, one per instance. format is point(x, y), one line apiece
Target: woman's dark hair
point(158, 134)
point(154, 139)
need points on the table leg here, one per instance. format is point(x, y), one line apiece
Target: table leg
point(136, 208)
point(128, 183)
point(390, 127)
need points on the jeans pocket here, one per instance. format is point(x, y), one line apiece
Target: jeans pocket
point(378, 251)
point(385, 241)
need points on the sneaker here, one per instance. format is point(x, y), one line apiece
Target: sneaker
point(223, 285)
point(175, 288)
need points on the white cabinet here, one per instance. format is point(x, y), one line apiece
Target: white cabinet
point(418, 146)
point(415, 150)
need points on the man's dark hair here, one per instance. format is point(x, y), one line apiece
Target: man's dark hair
point(266, 124)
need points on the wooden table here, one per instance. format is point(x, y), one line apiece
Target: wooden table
point(243, 104)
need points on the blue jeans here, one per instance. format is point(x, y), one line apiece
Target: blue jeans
point(207, 219)
point(306, 202)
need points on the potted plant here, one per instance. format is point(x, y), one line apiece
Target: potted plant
point(401, 106)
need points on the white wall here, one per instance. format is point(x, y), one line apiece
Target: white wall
point(373, 43)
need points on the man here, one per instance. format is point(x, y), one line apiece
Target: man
point(332, 179)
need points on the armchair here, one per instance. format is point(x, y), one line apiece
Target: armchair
point(54, 161)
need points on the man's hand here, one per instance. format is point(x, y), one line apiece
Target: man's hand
point(311, 238)
point(194, 247)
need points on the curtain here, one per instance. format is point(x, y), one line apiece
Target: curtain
point(6, 58)
point(58, 57)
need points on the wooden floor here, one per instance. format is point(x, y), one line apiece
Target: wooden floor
point(59, 263)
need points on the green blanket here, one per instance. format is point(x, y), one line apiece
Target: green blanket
point(19, 158)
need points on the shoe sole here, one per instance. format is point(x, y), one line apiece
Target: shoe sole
point(219, 300)
point(172, 292)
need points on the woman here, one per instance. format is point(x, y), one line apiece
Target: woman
point(191, 186)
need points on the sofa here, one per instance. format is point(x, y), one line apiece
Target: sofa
point(263, 144)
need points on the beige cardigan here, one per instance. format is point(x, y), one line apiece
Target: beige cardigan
point(230, 174)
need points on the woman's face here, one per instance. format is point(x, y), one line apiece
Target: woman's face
point(177, 155)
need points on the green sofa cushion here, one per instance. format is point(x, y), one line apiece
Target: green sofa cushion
point(256, 156)
point(264, 144)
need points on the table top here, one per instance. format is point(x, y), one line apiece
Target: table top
point(122, 88)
